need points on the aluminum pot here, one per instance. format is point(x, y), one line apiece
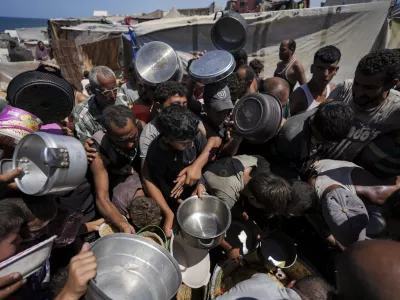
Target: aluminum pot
point(157, 62)
point(257, 117)
point(203, 223)
point(132, 267)
point(52, 164)
point(280, 248)
point(229, 32)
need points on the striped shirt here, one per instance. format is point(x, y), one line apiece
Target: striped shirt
point(87, 116)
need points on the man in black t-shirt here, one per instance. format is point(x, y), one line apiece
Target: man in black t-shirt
point(179, 144)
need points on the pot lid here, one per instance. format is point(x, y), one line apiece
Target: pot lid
point(156, 62)
point(213, 66)
point(194, 263)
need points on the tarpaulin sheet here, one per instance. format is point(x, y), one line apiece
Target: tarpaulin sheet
point(354, 29)
point(37, 34)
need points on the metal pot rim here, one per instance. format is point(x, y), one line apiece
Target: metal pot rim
point(202, 237)
point(92, 282)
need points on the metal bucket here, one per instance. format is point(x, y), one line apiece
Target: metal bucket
point(157, 62)
point(229, 32)
point(132, 267)
point(52, 164)
point(203, 223)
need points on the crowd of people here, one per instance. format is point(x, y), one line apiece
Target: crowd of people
point(334, 162)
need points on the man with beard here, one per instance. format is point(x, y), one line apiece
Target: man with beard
point(375, 103)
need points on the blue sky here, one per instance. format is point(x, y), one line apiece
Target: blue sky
point(84, 8)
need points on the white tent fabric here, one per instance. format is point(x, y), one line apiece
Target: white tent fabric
point(354, 29)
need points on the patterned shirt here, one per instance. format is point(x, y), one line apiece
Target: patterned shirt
point(87, 116)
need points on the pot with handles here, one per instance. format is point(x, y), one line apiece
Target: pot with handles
point(229, 32)
point(257, 117)
point(157, 62)
point(52, 164)
point(203, 223)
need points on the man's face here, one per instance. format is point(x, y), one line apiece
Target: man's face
point(176, 99)
point(9, 245)
point(125, 138)
point(284, 51)
point(370, 91)
point(41, 46)
point(107, 94)
point(323, 73)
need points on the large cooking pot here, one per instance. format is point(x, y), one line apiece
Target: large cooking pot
point(280, 248)
point(257, 117)
point(203, 223)
point(42, 92)
point(213, 66)
point(52, 164)
point(133, 267)
point(157, 62)
point(229, 32)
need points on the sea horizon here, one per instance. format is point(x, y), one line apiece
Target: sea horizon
point(12, 23)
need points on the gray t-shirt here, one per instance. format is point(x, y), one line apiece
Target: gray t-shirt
point(369, 124)
point(149, 134)
point(224, 177)
point(260, 287)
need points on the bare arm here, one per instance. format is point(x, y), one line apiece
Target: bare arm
point(298, 102)
point(299, 73)
point(371, 189)
point(103, 202)
point(155, 193)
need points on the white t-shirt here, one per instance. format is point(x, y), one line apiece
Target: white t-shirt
point(84, 83)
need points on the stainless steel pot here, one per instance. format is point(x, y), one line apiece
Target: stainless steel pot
point(213, 66)
point(229, 32)
point(157, 62)
point(203, 223)
point(52, 164)
point(257, 117)
point(133, 267)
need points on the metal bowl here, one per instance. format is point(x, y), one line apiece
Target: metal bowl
point(213, 66)
point(203, 223)
point(132, 267)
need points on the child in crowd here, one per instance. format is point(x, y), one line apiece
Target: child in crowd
point(144, 211)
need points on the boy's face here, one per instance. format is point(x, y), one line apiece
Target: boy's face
point(9, 245)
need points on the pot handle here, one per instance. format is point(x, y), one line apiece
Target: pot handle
point(47, 68)
point(209, 245)
point(220, 11)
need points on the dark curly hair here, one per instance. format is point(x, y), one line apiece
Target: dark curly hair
point(328, 54)
point(177, 123)
point(144, 211)
point(382, 61)
point(237, 86)
point(168, 89)
point(272, 191)
point(257, 65)
point(117, 115)
point(333, 120)
point(303, 197)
